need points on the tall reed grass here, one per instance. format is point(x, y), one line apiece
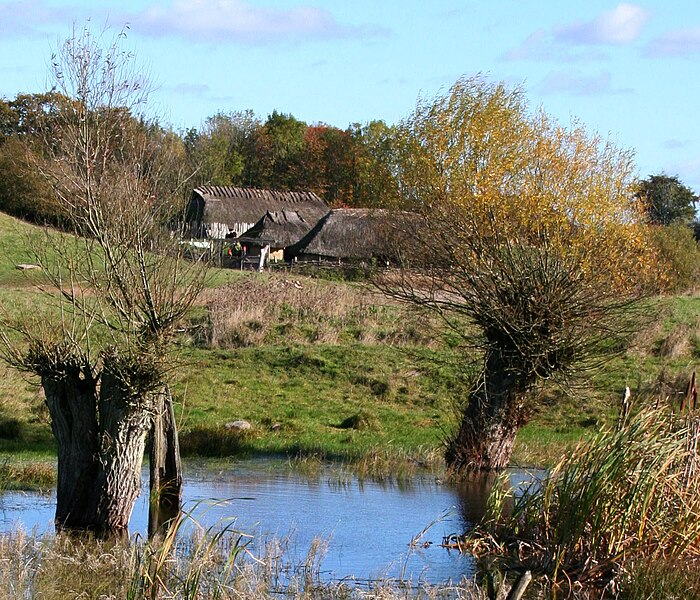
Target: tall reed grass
point(17, 475)
point(389, 466)
point(215, 564)
point(629, 495)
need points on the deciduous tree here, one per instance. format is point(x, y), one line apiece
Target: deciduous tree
point(374, 180)
point(221, 151)
point(524, 237)
point(667, 200)
point(119, 286)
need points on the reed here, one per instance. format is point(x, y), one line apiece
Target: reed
point(629, 495)
point(393, 465)
point(19, 475)
point(188, 565)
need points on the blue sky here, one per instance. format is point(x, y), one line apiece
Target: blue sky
point(629, 71)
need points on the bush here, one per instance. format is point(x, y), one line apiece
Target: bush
point(679, 251)
point(11, 429)
point(23, 192)
point(213, 441)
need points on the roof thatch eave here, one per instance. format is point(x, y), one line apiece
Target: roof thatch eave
point(278, 229)
point(347, 234)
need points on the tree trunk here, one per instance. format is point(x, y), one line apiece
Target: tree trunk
point(490, 421)
point(165, 467)
point(71, 404)
point(124, 424)
point(100, 438)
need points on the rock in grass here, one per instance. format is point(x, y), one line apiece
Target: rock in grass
point(240, 425)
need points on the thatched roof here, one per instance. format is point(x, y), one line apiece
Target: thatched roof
point(279, 229)
point(233, 205)
point(352, 233)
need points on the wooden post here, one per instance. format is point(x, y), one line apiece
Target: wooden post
point(693, 392)
point(165, 468)
point(520, 586)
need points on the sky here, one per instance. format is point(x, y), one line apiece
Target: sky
point(627, 71)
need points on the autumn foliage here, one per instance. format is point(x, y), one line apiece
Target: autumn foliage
point(523, 231)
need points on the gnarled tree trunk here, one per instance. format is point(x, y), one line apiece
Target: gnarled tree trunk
point(490, 420)
point(124, 420)
point(100, 435)
point(71, 403)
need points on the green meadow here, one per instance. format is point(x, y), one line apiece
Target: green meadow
point(333, 370)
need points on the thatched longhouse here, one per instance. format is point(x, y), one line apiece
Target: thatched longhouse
point(217, 212)
point(346, 234)
point(276, 230)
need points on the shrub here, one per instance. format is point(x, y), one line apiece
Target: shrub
point(679, 251)
point(213, 441)
point(23, 192)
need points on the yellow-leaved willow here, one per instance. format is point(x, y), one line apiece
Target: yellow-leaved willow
point(525, 237)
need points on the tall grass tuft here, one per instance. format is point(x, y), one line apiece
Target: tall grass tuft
point(198, 566)
point(15, 475)
point(213, 441)
point(629, 495)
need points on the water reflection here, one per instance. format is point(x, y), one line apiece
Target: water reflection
point(474, 491)
point(368, 526)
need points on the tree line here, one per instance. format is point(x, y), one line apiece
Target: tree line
point(347, 168)
point(352, 167)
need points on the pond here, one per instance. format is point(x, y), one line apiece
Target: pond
point(366, 527)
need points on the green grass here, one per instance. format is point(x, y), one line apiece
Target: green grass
point(312, 394)
point(329, 372)
point(338, 372)
point(17, 243)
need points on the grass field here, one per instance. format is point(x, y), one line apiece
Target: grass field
point(333, 370)
point(326, 370)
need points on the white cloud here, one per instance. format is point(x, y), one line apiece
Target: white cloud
point(682, 42)
point(190, 89)
point(26, 18)
point(674, 144)
point(196, 20)
point(541, 46)
point(237, 20)
point(573, 83)
point(581, 41)
point(622, 25)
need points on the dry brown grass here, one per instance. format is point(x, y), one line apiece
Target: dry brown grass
point(203, 566)
point(674, 333)
point(278, 309)
point(680, 341)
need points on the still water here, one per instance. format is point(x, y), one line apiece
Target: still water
point(368, 527)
